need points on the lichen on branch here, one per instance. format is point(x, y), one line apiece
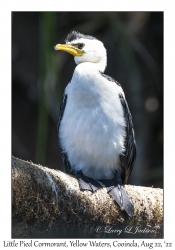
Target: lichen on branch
point(49, 203)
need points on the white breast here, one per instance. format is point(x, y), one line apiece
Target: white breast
point(92, 130)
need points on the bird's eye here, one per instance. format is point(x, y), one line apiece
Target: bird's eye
point(80, 45)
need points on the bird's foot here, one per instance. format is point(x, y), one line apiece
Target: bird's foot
point(87, 183)
point(123, 200)
point(114, 187)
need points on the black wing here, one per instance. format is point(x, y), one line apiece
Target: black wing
point(129, 156)
point(63, 153)
point(127, 160)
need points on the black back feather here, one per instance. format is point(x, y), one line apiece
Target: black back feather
point(129, 156)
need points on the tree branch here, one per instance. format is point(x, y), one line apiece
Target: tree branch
point(49, 203)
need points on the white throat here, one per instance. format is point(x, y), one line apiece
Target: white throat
point(99, 66)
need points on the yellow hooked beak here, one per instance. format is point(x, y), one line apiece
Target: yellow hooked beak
point(70, 49)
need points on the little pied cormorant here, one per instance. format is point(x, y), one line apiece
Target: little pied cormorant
point(95, 127)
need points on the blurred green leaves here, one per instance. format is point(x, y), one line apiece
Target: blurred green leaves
point(49, 93)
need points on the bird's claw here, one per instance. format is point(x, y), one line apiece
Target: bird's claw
point(114, 187)
point(87, 183)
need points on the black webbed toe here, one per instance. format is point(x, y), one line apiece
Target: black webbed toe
point(87, 183)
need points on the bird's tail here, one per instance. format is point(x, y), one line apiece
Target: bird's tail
point(114, 187)
point(122, 199)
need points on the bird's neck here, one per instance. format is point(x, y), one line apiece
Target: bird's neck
point(99, 66)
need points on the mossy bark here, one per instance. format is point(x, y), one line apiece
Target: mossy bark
point(48, 203)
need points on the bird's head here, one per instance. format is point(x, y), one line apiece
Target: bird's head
point(85, 48)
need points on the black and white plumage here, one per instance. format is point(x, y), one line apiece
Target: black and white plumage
point(95, 125)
